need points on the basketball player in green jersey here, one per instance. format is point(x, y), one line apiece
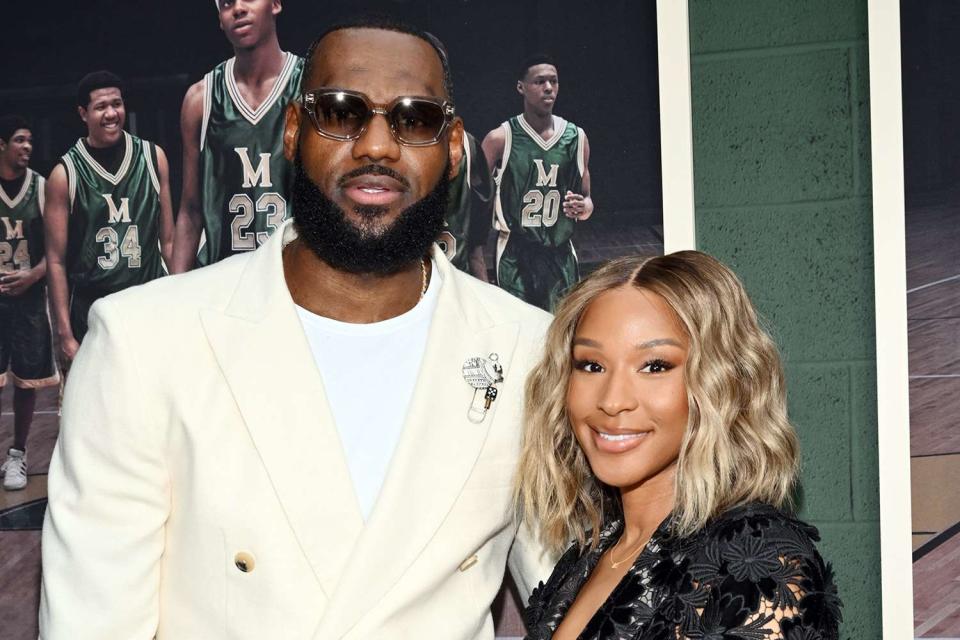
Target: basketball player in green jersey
point(541, 171)
point(109, 220)
point(235, 177)
point(26, 350)
point(468, 209)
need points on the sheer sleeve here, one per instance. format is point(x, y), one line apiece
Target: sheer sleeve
point(765, 580)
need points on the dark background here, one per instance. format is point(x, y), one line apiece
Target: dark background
point(930, 59)
point(606, 53)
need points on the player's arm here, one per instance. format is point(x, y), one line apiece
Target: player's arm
point(17, 282)
point(109, 495)
point(481, 194)
point(492, 147)
point(56, 216)
point(166, 207)
point(579, 206)
point(190, 215)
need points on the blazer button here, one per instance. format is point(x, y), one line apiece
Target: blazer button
point(244, 561)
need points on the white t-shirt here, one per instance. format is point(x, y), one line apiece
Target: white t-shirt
point(369, 372)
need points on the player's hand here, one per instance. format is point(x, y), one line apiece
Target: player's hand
point(575, 206)
point(15, 283)
point(68, 349)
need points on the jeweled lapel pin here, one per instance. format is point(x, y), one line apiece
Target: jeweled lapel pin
point(482, 373)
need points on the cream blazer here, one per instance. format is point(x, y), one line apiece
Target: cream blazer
point(196, 441)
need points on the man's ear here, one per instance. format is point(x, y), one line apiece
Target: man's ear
point(520, 87)
point(83, 113)
point(291, 131)
point(455, 147)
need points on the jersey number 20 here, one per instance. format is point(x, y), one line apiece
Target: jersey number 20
point(539, 209)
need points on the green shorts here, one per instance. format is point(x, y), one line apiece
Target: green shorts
point(26, 343)
point(535, 273)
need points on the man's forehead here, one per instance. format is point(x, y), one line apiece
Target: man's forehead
point(24, 133)
point(381, 63)
point(541, 70)
point(105, 93)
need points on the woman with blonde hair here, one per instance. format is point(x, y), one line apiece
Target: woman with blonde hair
point(657, 440)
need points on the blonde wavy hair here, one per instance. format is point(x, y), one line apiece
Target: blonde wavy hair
point(739, 445)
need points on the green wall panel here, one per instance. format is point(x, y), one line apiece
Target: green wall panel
point(808, 268)
point(857, 574)
point(782, 175)
point(775, 129)
point(819, 404)
point(725, 24)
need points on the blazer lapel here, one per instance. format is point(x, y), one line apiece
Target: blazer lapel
point(267, 362)
point(434, 457)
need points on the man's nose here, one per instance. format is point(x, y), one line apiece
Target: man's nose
point(377, 142)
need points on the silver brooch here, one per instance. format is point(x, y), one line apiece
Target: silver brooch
point(483, 374)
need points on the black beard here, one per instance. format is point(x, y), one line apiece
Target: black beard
point(371, 248)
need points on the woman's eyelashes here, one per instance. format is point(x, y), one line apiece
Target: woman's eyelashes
point(589, 366)
point(654, 365)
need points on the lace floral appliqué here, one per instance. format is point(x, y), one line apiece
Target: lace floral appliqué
point(752, 574)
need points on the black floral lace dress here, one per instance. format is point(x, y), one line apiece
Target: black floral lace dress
point(752, 574)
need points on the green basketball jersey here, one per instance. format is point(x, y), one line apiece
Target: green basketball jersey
point(467, 222)
point(244, 177)
point(113, 233)
point(533, 177)
point(21, 225)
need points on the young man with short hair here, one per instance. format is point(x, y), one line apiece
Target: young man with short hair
point(26, 349)
point(109, 220)
point(235, 178)
point(540, 163)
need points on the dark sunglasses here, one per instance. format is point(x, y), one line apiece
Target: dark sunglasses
point(344, 115)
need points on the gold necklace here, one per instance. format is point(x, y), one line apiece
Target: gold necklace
point(423, 277)
point(630, 554)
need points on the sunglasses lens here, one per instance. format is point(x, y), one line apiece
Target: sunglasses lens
point(340, 114)
point(417, 121)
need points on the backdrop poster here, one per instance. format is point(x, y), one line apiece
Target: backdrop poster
point(930, 50)
point(610, 85)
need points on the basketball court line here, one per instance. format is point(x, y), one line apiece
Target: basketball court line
point(45, 412)
point(936, 618)
point(934, 283)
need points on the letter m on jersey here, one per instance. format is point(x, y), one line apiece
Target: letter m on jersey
point(14, 230)
point(117, 215)
point(545, 179)
point(253, 177)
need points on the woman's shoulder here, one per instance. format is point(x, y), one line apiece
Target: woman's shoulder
point(758, 521)
point(767, 556)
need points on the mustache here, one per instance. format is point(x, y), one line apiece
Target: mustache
point(375, 170)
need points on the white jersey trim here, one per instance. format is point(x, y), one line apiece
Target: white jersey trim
point(468, 155)
point(150, 168)
point(253, 116)
point(113, 178)
point(505, 155)
point(559, 126)
point(581, 164)
point(13, 202)
point(71, 179)
point(41, 192)
point(207, 107)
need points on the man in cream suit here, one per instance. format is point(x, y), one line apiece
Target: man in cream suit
point(302, 441)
